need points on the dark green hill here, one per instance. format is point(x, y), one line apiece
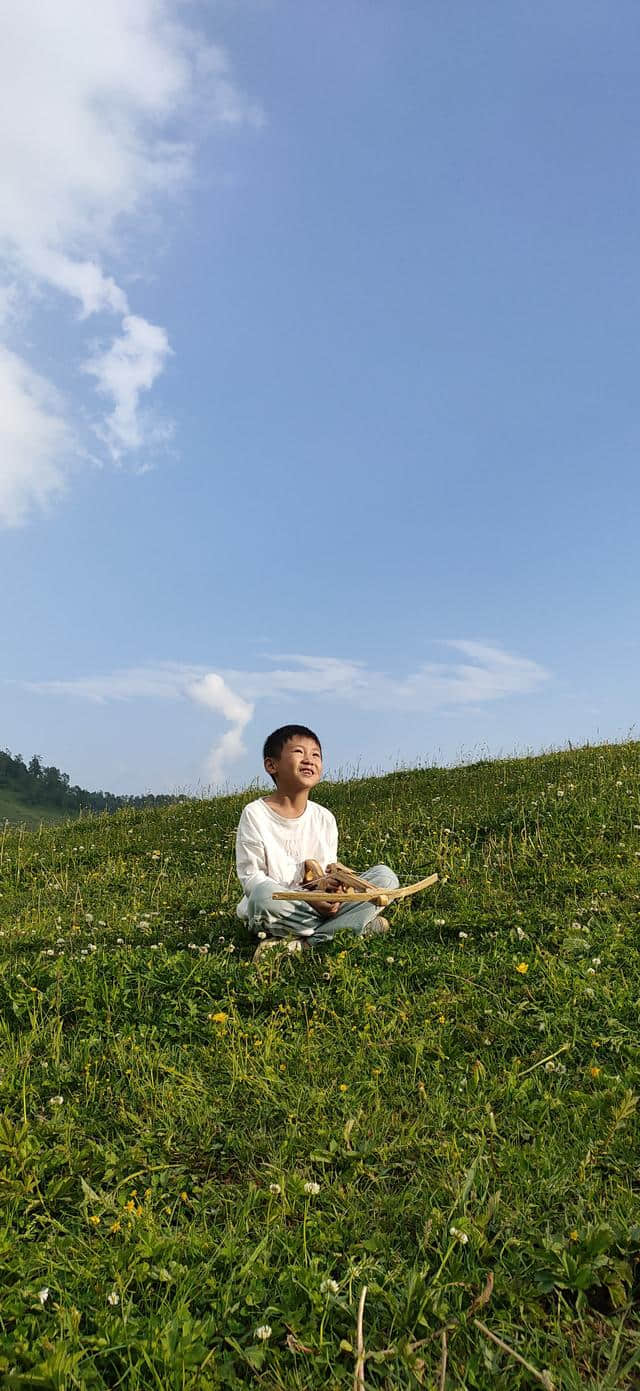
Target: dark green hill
point(32, 794)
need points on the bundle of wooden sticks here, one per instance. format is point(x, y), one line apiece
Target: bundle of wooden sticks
point(337, 884)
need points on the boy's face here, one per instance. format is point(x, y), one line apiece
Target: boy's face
point(299, 765)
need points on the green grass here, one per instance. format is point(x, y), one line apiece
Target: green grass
point(156, 1154)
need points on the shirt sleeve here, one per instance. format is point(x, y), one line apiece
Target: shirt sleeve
point(251, 856)
point(332, 833)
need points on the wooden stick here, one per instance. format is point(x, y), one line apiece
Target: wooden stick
point(340, 896)
point(358, 1378)
point(347, 876)
point(412, 888)
point(306, 896)
point(543, 1377)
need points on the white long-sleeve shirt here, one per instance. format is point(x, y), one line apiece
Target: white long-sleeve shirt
point(270, 846)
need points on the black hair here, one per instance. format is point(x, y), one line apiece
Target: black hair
point(275, 743)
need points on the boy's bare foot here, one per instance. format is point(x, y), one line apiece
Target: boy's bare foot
point(376, 925)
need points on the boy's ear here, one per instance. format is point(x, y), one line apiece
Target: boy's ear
point(270, 767)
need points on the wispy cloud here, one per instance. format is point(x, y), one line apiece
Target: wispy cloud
point(36, 441)
point(211, 690)
point(99, 110)
point(478, 674)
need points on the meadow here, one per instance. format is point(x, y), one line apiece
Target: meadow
point(410, 1161)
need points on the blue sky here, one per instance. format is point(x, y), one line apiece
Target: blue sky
point(319, 353)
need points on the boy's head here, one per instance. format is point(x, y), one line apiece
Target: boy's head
point(293, 757)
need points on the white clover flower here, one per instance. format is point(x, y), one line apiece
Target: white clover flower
point(312, 1187)
point(439, 922)
point(120, 941)
point(263, 1332)
point(88, 917)
point(261, 936)
point(50, 951)
point(390, 960)
point(550, 1066)
point(520, 934)
point(113, 1298)
point(460, 1236)
point(56, 1100)
point(329, 1287)
point(43, 1294)
point(596, 960)
point(591, 971)
point(463, 936)
point(275, 1189)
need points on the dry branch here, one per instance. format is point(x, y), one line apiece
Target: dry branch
point(442, 1379)
point(543, 1377)
point(358, 1376)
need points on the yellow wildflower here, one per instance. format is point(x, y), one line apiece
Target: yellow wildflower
point(343, 1087)
point(522, 967)
point(130, 1206)
point(573, 1236)
point(219, 1017)
point(184, 1197)
point(595, 1071)
point(95, 1220)
point(115, 1227)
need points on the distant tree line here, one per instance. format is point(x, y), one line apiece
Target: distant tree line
point(37, 785)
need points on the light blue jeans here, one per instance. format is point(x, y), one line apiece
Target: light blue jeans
point(282, 917)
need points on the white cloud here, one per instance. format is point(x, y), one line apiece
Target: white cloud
point(99, 110)
point(487, 674)
point(211, 690)
point(122, 372)
point(35, 439)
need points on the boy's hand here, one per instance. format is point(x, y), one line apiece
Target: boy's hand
point(328, 910)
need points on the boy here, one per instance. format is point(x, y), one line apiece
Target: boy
point(278, 833)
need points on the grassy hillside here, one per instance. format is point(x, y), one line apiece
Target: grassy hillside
point(196, 1150)
point(19, 813)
